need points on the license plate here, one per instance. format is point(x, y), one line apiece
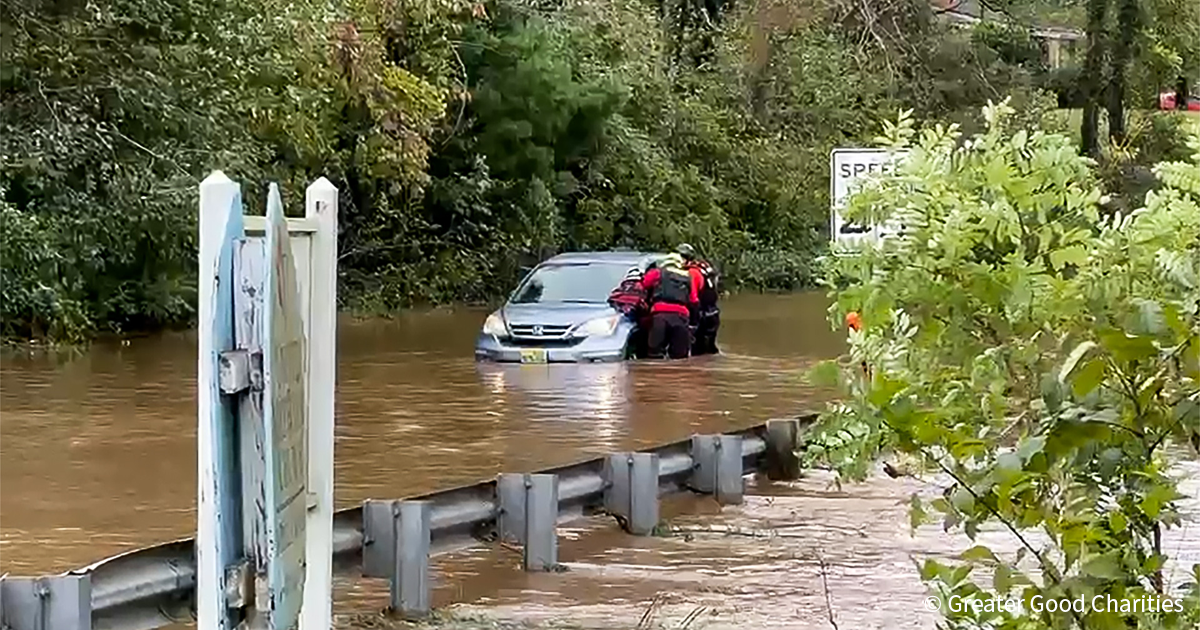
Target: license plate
point(533, 356)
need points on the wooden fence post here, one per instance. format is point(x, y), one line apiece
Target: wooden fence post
point(218, 515)
point(321, 208)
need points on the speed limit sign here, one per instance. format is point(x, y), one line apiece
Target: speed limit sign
point(848, 167)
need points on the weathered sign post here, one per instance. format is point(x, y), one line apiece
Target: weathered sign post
point(265, 434)
point(847, 168)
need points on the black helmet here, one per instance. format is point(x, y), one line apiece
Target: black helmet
point(686, 251)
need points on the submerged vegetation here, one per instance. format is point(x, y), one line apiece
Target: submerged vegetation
point(467, 139)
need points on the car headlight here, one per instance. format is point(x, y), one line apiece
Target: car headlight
point(600, 327)
point(493, 325)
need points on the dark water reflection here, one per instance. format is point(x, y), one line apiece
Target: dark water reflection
point(97, 453)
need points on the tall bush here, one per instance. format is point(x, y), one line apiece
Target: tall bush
point(1039, 352)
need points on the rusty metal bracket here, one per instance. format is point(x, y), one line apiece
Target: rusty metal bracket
point(240, 370)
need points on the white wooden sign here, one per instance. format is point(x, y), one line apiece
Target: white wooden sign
point(267, 359)
point(848, 167)
point(285, 423)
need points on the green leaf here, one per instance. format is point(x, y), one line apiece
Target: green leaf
point(962, 499)
point(916, 512)
point(1156, 498)
point(1127, 348)
point(1073, 255)
point(1073, 359)
point(1031, 447)
point(1004, 500)
point(1103, 619)
point(979, 553)
point(1117, 521)
point(1002, 579)
point(1151, 320)
point(1019, 139)
point(930, 569)
point(1087, 378)
point(971, 529)
point(1106, 566)
point(883, 390)
point(1008, 463)
point(960, 573)
point(825, 374)
point(965, 449)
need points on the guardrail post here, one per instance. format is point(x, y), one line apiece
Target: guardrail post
point(396, 545)
point(410, 567)
point(783, 464)
point(510, 498)
point(379, 536)
point(632, 492)
point(59, 602)
point(541, 523)
point(718, 467)
point(529, 515)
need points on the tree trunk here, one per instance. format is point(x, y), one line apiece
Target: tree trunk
point(1181, 92)
point(1116, 105)
point(1127, 22)
point(1093, 73)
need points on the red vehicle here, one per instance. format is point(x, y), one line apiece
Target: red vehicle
point(1166, 100)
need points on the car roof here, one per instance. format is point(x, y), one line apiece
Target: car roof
point(617, 257)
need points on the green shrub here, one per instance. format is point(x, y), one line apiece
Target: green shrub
point(1040, 355)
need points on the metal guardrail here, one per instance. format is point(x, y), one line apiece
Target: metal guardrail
point(155, 586)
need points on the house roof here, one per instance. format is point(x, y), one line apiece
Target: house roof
point(971, 12)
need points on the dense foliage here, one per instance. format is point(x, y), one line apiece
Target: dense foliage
point(1041, 354)
point(1136, 49)
point(467, 139)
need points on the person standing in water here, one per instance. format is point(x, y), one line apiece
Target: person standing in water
point(706, 316)
point(673, 292)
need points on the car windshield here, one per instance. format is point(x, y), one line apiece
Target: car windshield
point(575, 282)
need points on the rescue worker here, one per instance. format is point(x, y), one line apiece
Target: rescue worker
point(673, 293)
point(706, 317)
point(630, 299)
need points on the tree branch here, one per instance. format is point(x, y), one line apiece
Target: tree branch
point(1050, 569)
point(825, 587)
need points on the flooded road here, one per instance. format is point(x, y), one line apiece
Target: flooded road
point(798, 556)
point(98, 455)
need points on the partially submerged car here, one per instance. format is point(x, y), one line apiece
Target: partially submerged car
point(560, 312)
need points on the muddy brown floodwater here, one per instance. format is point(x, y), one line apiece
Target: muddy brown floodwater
point(98, 456)
point(98, 453)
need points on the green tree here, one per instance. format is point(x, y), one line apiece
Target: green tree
point(467, 139)
point(1040, 353)
point(112, 115)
